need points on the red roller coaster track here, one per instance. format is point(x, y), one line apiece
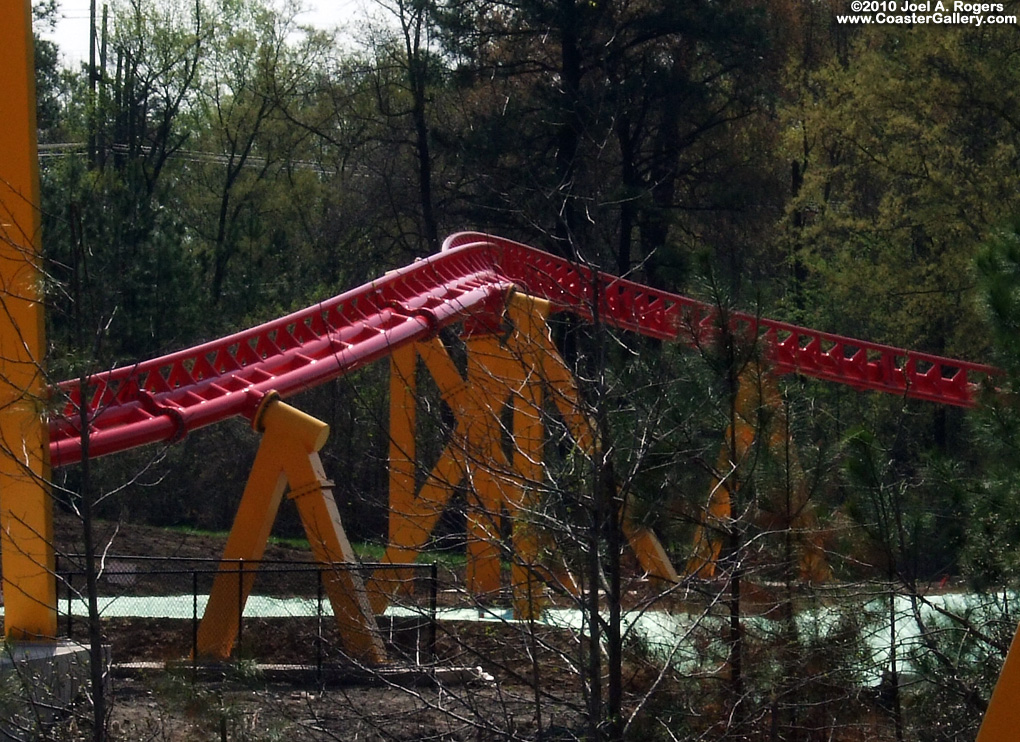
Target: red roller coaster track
point(165, 398)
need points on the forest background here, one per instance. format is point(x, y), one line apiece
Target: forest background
point(221, 165)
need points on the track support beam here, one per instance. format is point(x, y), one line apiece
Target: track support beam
point(26, 508)
point(510, 369)
point(1002, 717)
point(288, 458)
point(758, 411)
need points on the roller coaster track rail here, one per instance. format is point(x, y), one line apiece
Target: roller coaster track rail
point(165, 398)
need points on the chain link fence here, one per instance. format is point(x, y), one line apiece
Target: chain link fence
point(150, 609)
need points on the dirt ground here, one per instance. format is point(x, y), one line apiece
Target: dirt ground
point(278, 712)
point(476, 682)
point(245, 700)
point(137, 540)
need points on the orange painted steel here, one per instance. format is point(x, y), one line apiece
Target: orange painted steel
point(536, 347)
point(288, 458)
point(510, 365)
point(758, 397)
point(1002, 717)
point(26, 518)
point(469, 282)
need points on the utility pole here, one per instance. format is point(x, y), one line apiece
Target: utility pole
point(96, 145)
point(100, 79)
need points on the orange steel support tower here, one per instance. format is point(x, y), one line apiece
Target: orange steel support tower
point(1002, 717)
point(26, 518)
point(288, 457)
point(756, 392)
point(511, 362)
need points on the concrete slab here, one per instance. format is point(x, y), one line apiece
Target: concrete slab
point(38, 683)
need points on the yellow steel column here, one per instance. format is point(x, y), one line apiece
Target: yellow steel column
point(708, 536)
point(288, 455)
point(414, 526)
point(1002, 717)
point(648, 549)
point(476, 446)
point(313, 495)
point(419, 516)
point(402, 522)
point(413, 515)
point(483, 569)
point(26, 516)
point(759, 390)
point(403, 401)
point(531, 541)
point(534, 343)
point(514, 366)
point(488, 369)
point(527, 576)
point(253, 523)
point(544, 373)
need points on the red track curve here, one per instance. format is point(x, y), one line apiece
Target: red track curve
point(164, 398)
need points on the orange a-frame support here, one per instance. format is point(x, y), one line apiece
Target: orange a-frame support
point(26, 517)
point(516, 364)
point(288, 457)
point(756, 393)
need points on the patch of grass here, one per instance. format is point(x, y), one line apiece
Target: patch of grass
point(192, 531)
point(445, 558)
point(368, 551)
point(372, 551)
point(291, 542)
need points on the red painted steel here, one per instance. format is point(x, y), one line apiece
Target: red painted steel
point(165, 398)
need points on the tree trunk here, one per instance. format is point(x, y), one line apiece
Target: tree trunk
point(95, 629)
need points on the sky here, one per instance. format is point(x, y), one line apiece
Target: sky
point(72, 32)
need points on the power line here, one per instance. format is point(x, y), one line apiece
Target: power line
point(65, 149)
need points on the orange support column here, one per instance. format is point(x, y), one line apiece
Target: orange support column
point(483, 569)
point(312, 492)
point(26, 516)
point(403, 415)
point(488, 370)
point(402, 522)
point(532, 542)
point(413, 515)
point(245, 545)
point(757, 390)
point(288, 455)
point(512, 363)
point(754, 391)
point(533, 343)
point(708, 535)
point(1002, 717)
point(527, 575)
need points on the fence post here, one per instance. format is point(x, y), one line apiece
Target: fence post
point(70, 594)
point(56, 577)
point(194, 625)
point(240, 605)
point(67, 586)
point(433, 601)
point(318, 624)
